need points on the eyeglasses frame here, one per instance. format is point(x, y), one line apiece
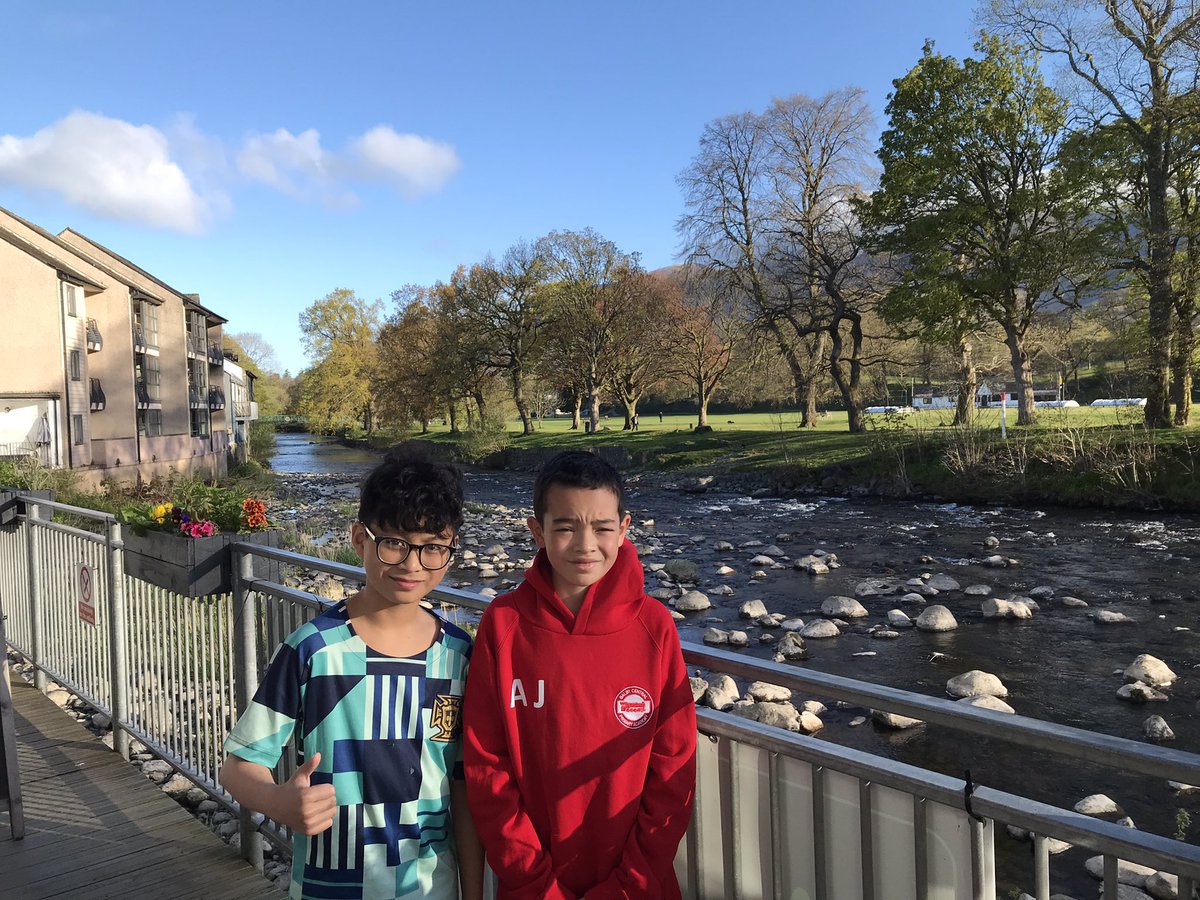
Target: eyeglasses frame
point(453, 548)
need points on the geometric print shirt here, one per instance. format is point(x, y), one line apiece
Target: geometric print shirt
point(389, 733)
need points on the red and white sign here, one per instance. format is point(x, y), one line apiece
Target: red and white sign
point(87, 606)
point(633, 707)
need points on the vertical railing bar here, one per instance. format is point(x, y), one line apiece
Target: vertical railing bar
point(32, 549)
point(693, 839)
point(978, 858)
point(727, 801)
point(735, 818)
point(192, 723)
point(1110, 877)
point(1186, 887)
point(773, 791)
point(245, 617)
point(866, 839)
point(920, 848)
point(119, 661)
point(1041, 867)
point(818, 818)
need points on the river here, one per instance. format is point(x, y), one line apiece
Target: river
point(1059, 666)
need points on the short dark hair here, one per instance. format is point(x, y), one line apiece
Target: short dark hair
point(580, 469)
point(412, 491)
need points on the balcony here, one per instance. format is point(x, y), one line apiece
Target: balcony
point(146, 395)
point(216, 354)
point(216, 398)
point(139, 341)
point(246, 410)
point(196, 346)
point(197, 397)
point(94, 339)
point(96, 394)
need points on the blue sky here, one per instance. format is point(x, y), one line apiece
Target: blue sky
point(262, 154)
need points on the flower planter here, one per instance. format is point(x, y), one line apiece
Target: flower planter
point(195, 567)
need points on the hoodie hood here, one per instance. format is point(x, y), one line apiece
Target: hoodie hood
point(609, 605)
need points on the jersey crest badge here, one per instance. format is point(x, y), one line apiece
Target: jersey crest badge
point(446, 717)
point(633, 707)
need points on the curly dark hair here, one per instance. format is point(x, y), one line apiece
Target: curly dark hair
point(576, 468)
point(412, 491)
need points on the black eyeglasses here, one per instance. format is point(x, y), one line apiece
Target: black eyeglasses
point(393, 551)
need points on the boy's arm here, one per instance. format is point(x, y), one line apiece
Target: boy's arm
point(469, 849)
point(298, 804)
point(666, 806)
point(514, 850)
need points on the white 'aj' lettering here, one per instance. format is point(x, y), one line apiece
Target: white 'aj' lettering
point(518, 694)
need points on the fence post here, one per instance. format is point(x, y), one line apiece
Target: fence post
point(245, 664)
point(33, 553)
point(118, 659)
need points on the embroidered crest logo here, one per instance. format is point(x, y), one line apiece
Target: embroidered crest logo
point(446, 717)
point(633, 707)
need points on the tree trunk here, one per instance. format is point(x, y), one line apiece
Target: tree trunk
point(1183, 348)
point(593, 398)
point(424, 426)
point(518, 392)
point(452, 417)
point(964, 407)
point(576, 405)
point(808, 408)
point(849, 384)
point(481, 404)
point(1158, 399)
point(1022, 374)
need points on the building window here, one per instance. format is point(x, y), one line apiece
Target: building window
point(76, 366)
point(200, 422)
point(145, 321)
point(77, 429)
point(68, 295)
point(149, 422)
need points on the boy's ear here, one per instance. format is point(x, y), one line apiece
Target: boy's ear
point(358, 539)
point(535, 528)
point(625, 524)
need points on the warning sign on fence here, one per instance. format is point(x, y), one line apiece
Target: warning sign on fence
point(87, 605)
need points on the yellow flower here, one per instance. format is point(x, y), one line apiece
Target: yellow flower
point(160, 513)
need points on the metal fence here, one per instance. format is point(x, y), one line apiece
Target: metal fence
point(777, 814)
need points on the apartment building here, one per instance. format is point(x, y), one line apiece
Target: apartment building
point(106, 368)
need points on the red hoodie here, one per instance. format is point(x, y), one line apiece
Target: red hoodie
point(579, 736)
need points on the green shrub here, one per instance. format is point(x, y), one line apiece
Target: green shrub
point(260, 441)
point(480, 443)
point(248, 469)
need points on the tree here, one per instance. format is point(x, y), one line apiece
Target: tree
point(256, 348)
point(586, 303)
point(257, 356)
point(971, 201)
point(1138, 61)
point(643, 304)
point(339, 333)
point(409, 380)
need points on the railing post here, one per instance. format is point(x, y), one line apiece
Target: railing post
point(245, 663)
point(33, 553)
point(118, 659)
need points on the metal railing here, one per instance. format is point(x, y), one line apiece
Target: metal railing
point(95, 341)
point(216, 354)
point(777, 814)
point(96, 395)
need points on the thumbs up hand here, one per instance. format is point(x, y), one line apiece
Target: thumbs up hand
point(305, 807)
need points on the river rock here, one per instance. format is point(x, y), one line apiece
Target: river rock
point(812, 564)
point(791, 647)
point(936, 618)
point(765, 692)
point(875, 587)
point(1098, 806)
point(662, 593)
point(816, 707)
point(820, 629)
point(1162, 886)
point(716, 636)
point(682, 570)
point(773, 551)
point(723, 590)
point(977, 590)
point(722, 692)
point(1129, 873)
point(1140, 693)
point(726, 570)
point(983, 701)
point(777, 715)
point(1157, 730)
point(994, 608)
point(843, 608)
point(941, 582)
point(722, 546)
point(1053, 846)
point(1150, 670)
point(793, 624)
point(1042, 592)
point(1073, 602)
point(752, 609)
point(991, 542)
point(699, 686)
point(101, 720)
point(894, 720)
point(975, 682)
point(898, 618)
point(1111, 617)
point(692, 601)
point(762, 560)
point(913, 599)
point(739, 639)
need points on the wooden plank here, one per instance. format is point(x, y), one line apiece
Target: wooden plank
point(99, 828)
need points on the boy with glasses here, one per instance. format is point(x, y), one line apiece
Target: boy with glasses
point(372, 691)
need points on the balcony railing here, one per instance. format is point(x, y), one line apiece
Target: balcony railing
point(139, 341)
point(245, 409)
point(146, 395)
point(98, 400)
point(197, 396)
point(216, 398)
point(216, 354)
point(196, 346)
point(94, 339)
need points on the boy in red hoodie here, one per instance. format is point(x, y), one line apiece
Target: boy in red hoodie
point(579, 731)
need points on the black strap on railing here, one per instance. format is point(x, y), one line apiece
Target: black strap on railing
point(968, 790)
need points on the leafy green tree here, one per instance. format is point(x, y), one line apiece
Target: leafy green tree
point(1138, 63)
point(339, 332)
point(971, 205)
point(408, 380)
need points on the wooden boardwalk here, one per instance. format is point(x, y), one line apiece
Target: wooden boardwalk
point(95, 827)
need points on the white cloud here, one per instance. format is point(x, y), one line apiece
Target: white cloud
point(414, 165)
point(109, 167)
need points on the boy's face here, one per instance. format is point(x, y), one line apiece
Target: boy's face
point(407, 581)
point(581, 531)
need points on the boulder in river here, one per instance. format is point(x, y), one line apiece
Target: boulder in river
point(976, 682)
point(1150, 670)
point(692, 601)
point(682, 570)
point(843, 608)
point(752, 609)
point(722, 692)
point(791, 647)
point(820, 629)
point(1111, 617)
point(983, 701)
point(765, 692)
point(894, 720)
point(995, 608)
point(1140, 693)
point(1157, 730)
point(936, 618)
point(941, 582)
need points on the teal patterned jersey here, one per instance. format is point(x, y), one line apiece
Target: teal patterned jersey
point(389, 733)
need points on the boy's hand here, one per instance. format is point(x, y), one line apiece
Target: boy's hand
point(304, 807)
